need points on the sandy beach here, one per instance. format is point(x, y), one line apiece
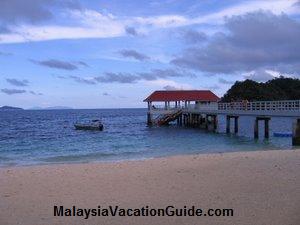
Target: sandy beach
point(261, 187)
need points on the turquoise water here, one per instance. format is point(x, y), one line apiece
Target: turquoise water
point(47, 136)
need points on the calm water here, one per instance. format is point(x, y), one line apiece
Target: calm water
point(45, 137)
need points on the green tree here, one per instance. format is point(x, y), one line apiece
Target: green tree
point(277, 89)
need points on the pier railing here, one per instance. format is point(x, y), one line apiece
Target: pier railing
point(265, 108)
point(290, 105)
point(192, 107)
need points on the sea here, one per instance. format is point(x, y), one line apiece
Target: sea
point(37, 137)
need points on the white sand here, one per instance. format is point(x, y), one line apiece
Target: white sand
point(263, 188)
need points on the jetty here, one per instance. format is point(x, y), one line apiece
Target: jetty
point(201, 108)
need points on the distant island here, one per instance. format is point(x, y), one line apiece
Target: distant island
point(9, 108)
point(277, 89)
point(50, 108)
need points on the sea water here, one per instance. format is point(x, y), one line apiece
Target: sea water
point(32, 137)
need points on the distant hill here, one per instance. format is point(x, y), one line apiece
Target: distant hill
point(50, 108)
point(277, 89)
point(58, 107)
point(9, 108)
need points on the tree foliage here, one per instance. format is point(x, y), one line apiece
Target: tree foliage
point(277, 89)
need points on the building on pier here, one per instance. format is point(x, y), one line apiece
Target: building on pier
point(167, 106)
point(181, 99)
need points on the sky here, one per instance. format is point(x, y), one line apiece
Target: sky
point(113, 54)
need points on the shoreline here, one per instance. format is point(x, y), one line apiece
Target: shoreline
point(115, 161)
point(261, 186)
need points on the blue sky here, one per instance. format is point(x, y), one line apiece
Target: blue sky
point(112, 54)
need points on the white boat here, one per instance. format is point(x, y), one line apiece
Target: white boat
point(92, 125)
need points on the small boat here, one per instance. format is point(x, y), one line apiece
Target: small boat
point(92, 125)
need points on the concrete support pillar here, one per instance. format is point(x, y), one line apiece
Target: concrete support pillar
point(227, 124)
point(149, 119)
point(215, 122)
point(266, 128)
point(296, 132)
point(256, 128)
point(236, 125)
point(206, 121)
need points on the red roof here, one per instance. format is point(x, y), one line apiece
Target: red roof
point(182, 95)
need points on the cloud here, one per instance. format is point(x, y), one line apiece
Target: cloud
point(259, 76)
point(129, 78)
point(35, 93)
point(224, 81)
point(57, 64)
point(259, 40)
point(90, 81)
point(12, 91)
point(5, 53)
point(165, 73)
point(193, 36)
point(134, 54)
point(297, 4)
point(170, 88)
point(105, 94)
point(18, 91)
point(86, 23)
point(131, 31)
point(82, 63)
point(16, 82)
point(14, 12)
point(118, 78)
point(168, 84)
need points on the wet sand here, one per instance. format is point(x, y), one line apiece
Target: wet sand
point(262, 188)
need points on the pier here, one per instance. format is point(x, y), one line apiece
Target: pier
point(201, 108)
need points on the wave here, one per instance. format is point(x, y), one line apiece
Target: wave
point(88, 157)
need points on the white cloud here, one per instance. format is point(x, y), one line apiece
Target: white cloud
point(90, 24)
point(162, 83)
point(164, 21)
point(93, 24)
point(274, 6)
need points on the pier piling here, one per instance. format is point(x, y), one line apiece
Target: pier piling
point(256, 129)
point(236, 124)
point(227, 124)
point(296, 132)
point(266, 128)
point(149, 119)
point(256, 126)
